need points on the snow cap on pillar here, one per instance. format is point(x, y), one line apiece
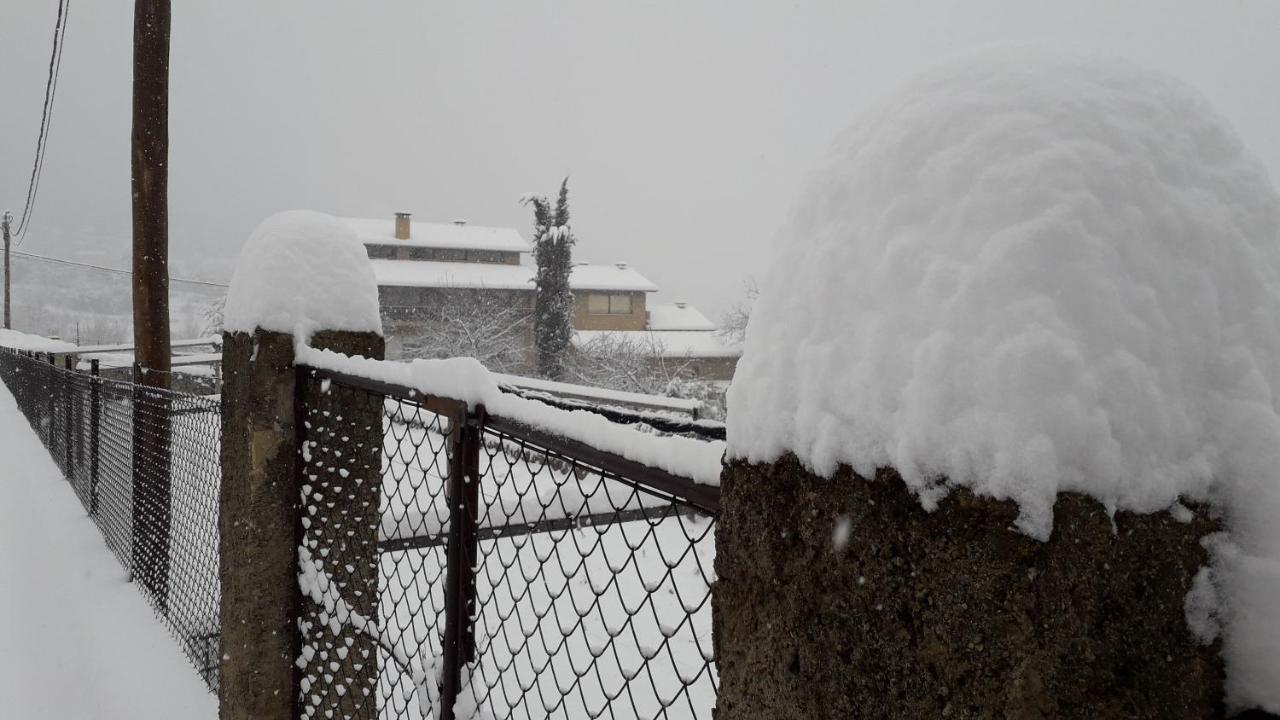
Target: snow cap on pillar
point(301, 272)
point(1028, 275)
point(1024, 275)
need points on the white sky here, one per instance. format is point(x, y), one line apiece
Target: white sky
point(687, 127)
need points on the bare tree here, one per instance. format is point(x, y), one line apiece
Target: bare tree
point(625, 361)
point(640, 364)
point(490, 326)
point(733, 324)
point(213, 317)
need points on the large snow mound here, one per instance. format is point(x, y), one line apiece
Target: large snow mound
point(1033, 275)
point(300, 272)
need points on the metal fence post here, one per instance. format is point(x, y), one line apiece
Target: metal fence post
point(68, 391)
point(51, 408)
point(95, 416)
point(459, 644)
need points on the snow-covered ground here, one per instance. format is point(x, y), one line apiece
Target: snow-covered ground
point(567, 619)
point(76, 640)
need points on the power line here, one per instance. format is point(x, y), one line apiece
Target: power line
point(103, 268)
point(46, 116)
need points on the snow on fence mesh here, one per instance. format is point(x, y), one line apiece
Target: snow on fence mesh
point(155, 497)
point(518, 575)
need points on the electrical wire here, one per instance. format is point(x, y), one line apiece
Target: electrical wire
point(103, 268)
point(46, 117)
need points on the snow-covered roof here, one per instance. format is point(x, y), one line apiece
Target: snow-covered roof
point(669, 343)
point(618, 276)
point(494, 276)
point(433, 274)
point(381, 231)
point(678, 316)
point(35, 343)
point(174, 344)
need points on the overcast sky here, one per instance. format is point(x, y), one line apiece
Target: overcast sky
point(687, 127)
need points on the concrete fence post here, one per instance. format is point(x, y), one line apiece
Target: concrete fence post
point(265, 416)
point(301, 477)
point(950, 613)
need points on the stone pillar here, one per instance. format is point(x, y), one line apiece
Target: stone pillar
point(261, 521)
point(949, 614)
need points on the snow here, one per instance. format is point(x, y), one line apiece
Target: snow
point(76, 639)
point(619, 276)
point(619, 589)
point(679, 316)
point(597, 394)
point(497, 276)
point(175, 344)
point(302, 271)
point(466, 380)
point(34, 343)
point(1034, 275)
point(377, 231)
point(668, 343)
point(436, 274)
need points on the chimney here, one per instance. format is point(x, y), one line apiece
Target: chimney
point(621, 264)
point(460, 222)
point(402, 225)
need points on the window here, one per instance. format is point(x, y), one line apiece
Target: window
point(619, 304)
point(601, 304)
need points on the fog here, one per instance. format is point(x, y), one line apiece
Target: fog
point(686, 127)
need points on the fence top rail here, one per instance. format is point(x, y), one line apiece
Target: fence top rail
point(197, 403)
point(701, 496)
point(91, 349)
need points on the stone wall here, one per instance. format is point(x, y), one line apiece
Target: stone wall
point(950, 614)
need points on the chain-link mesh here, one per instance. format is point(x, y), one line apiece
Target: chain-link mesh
point(513, 574)
point(153, 495)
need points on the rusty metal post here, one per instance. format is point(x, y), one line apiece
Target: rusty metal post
point(463, 493)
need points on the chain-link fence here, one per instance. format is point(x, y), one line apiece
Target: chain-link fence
point(484, 570)
point(145, 464)
point(518, 575)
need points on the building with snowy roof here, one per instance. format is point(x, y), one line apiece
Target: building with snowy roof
point(427, 271)
point(677, 332)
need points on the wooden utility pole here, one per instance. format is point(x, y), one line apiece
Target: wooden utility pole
point(5, 221)
point(151, 190)
point(152, 488)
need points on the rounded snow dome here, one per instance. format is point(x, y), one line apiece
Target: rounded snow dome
point(303, 271)
point(1025, 276)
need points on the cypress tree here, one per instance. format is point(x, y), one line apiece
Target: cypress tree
point(553, 303)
